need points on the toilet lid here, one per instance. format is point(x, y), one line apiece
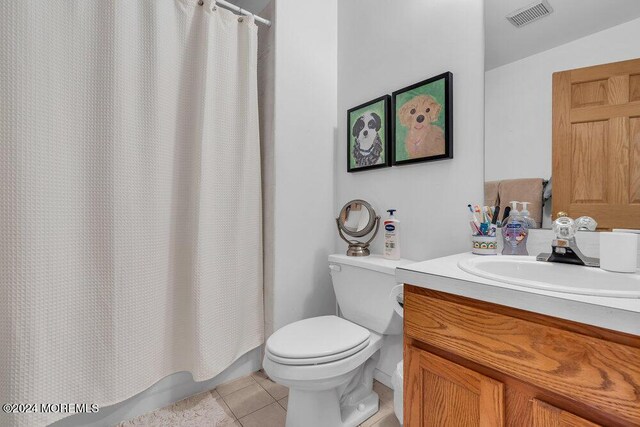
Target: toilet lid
point(317, 337)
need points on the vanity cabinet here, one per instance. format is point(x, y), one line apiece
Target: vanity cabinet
point(473, 363)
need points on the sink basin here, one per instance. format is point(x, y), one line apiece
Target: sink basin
point(526, 271)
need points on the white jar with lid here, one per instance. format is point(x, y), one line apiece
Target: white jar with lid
point(619, 252)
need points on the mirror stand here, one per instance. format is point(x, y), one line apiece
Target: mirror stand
point(357, 248)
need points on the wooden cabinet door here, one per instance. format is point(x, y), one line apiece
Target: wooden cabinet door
point(596, 143)
point(441, 393)
point(545, 415)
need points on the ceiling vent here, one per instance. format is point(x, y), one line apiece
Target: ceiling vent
point(530, 13)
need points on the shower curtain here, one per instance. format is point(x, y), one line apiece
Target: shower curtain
point(130, 204)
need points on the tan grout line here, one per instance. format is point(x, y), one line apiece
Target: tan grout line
point(235, 417)
point(256, 382)
point(272, 396)
point(261, 386)
point(228, 407)
point(270, 403)
point(231, 410)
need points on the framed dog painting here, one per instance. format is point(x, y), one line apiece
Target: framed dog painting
point(423, 121)
point(369, 135)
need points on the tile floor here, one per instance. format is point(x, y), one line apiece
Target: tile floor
point(251, 401)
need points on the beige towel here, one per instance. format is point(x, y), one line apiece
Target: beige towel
point(491, 193)
point(523, 190)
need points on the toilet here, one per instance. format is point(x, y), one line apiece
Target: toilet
point(328, 362)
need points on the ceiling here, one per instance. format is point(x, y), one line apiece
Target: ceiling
point(504, 43)
point(570, 20)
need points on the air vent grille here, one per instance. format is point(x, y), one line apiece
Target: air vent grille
point(530, 13)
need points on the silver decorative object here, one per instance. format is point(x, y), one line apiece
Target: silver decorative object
point(357, 219)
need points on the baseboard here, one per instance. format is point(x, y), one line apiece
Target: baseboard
point(383, 378)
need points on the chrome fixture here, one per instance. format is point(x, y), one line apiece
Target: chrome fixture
point(564, 248)
point(357, 219)
point(586, 223)
point(237, 9)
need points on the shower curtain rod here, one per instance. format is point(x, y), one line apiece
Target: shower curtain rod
point(240, 10)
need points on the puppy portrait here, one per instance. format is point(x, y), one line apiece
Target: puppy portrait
point(424, 138)
point(368, 145)
point(368, 135)
point(423, 121)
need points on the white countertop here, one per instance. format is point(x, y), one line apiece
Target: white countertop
point(443, 274)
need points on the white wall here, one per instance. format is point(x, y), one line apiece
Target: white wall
point(302, 182)
point(385, 45)
point(518, 100)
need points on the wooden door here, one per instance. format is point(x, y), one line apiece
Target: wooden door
point(545, 415)
point(596, 143)
point(441, 393)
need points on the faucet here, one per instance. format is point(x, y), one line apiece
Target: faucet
point(564, 248)
point(586, 223)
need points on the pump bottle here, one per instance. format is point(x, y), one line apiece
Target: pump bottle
point(391, 236)
point(514, 232)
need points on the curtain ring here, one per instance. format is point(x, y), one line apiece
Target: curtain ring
point(201, 2)
point(240, 19)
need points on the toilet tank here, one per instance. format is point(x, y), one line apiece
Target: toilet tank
point(363, 286)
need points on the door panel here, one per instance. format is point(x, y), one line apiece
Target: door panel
point(441, 393)
point(596, 143)
point(588, 148)
point(447, 403)
point(545, 415)
point(589, 94)
point(634, 87)
point(634, 127)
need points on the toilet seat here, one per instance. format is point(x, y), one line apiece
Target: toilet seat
point(318, 360)
point(317, 340)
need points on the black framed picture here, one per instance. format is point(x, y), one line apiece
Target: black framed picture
point(423, 121)
point(368, 138)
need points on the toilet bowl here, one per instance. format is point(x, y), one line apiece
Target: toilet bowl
point(328, 362)
point(330, 386)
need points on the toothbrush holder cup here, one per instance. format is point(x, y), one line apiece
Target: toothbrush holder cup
point(484, 245)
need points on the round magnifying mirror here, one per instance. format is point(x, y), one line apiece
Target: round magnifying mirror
point(357, 219)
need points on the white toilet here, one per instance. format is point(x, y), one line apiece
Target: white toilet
point(328, 361)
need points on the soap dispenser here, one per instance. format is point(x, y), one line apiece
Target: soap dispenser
point(515, 232)
point(526, 216)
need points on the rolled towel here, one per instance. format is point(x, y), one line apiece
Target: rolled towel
point(491, 193)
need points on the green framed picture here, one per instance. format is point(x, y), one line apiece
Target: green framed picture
point(423, 121)
point(368, 134)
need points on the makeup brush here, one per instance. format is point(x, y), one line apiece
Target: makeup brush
point(494, 220)
point(496, 212)
point(507, 211)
